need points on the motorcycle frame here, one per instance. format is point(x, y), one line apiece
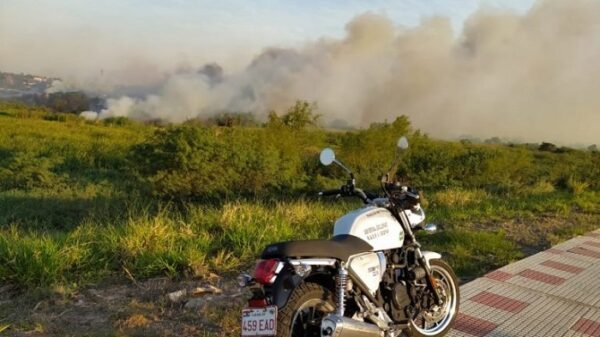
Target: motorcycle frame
point(288, 279)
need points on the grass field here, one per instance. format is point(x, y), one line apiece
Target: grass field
point(81, 202)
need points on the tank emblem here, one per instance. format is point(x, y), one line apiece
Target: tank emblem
point(376, 231)
point(374, 271)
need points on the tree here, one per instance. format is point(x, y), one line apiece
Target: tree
point(230, 119)
point(300, 115)
point(493, 140)
point(273, 120)
point(548, 147)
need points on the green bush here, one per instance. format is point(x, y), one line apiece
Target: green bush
point(207, 162)
point(26, 172)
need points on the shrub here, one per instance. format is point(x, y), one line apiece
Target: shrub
point(575, 186)
point(119, 121)
point(548, 147)
point(229, 119)
point(26, 172)
point(200, 162)
point(541, 187)
point(56, 117)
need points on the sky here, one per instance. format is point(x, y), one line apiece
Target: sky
point(126, 36)
point(518, 69)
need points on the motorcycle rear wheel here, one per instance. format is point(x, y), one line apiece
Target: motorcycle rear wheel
point(302, 315)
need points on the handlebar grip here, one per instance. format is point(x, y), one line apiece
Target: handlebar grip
point(329, 193)
point(412, 195)
point(361, 194)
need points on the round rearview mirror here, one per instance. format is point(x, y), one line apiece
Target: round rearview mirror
point(327, 156)
point(402, 143)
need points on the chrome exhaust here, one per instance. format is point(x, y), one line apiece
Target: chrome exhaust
point(338, 326)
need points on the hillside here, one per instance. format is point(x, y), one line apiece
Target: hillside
point(15, 85)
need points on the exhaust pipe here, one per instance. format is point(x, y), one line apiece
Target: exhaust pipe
point(338, 326)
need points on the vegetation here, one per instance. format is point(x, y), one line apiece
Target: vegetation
point(82, 201)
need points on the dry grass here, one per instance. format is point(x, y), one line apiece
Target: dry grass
point(575, 186)
point(135, 321)
point(458, 197)
point(541, 187)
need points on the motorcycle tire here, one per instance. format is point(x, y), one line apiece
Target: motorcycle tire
point(443, 273)
point(301, 316)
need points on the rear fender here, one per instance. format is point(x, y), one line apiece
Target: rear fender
point(287, 280)
point(284, 285)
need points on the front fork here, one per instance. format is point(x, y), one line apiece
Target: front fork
point(431, 281)
point(420, 257)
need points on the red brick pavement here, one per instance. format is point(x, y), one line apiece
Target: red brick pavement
point(562, 266)
point(499, 302)
point(542, 277)
point(505, 313)
point(587, 326)
point(584, 251)
point(473, 325)
point(499, 275)
point(592, 243)
point(554, 251)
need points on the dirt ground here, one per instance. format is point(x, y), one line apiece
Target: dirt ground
point(132, 309)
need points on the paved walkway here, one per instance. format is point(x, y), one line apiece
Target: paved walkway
point(554, 293)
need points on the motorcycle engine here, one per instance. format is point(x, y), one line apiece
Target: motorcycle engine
point(395, 294)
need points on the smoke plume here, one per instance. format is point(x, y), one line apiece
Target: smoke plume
point(533, 77)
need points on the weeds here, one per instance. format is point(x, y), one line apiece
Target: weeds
point(472, 253)
point(203, 239)
point(458, 197)
point(575, 186)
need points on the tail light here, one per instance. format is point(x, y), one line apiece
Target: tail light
point(266, 270)
point(257, 303)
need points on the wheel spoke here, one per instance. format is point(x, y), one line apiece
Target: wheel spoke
point(306, 319)
point(437, 319)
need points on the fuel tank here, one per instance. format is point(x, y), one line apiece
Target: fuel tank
point(375, 225)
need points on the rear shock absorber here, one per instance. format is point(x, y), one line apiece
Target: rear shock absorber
point(342, 280)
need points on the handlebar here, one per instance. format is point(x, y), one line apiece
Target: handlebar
point(401, 190)
point(361, 194)
point(349, 191)
point(329, 193)
point(403, 196)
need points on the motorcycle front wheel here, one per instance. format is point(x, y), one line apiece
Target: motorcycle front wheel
point(302, 315)
point(439, 320)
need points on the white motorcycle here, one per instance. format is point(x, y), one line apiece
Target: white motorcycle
point(371, 279)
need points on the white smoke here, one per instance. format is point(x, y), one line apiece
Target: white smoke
point(89, 115)
point(531, 77)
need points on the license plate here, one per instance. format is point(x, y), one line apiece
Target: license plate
point(259, 321)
